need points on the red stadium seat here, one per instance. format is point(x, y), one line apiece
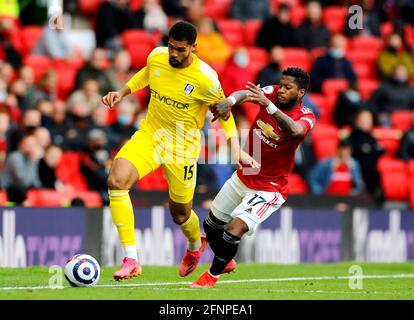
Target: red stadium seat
point(297, 185)
point(298, 14)
point(297, 57)
point(66, 78)
point(251, 28)
point(136, 4)
point(388, 138)
point(258, 57)
point(39, 64)
point(139, 44)
point(362, 56)
point(155, 181)
point(365, 70)
point(386, 28)
point(90, 6)
point(367, 43)
point(69, 170)
point(217, 9)
point(334, 86)
point(3, 198)
point(325, 139)
point(30, 35)
point(325, 107)
point(232, 31)
point(92, 199)
point(367, 87)
point(46, 198)
point(394, 178)
point(334, 17)
point(402, 119)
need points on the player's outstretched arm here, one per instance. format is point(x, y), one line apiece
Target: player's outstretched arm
point(112, 98)
point(256, 95)
point(240, 156)
point(222, 108)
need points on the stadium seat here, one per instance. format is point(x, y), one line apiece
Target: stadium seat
point(217, 9)
point(334, 86)
point(367, 87)
point(402, 119)
point(367, 43)
point(297, 185)
point(232, 31)
point(92, 199)
point(90, 6)
point(258, 57)
point(386, 28)
point(298, 14)
point(139, 44)
point(155, 181)
point(325, 139)
point(388, 138)
point(69, 171)
point(136, 4)
point(334, 18)
point(394, 178)
point(30, 35)
point(251, 28)
point(297, 57)
point(324, 106)
point(365, 70)
point(46, 198)
point(3, 198)
point(39, 64)
point(362, 56)
point(66, 78)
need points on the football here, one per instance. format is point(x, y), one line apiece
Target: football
point(82, 270)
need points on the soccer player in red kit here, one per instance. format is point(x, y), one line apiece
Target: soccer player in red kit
point(246, 200)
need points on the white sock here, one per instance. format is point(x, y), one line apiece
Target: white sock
point(194, 246)
point(131, 252)
point(213, 275)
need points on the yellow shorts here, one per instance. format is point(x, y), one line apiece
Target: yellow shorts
point(144, 154)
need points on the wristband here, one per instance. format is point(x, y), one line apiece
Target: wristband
point(271, 108)
point(232, 99)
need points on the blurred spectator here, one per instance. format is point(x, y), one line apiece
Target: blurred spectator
point(312, 33)
point(371, 20)
point(34, 13)
point(46, 87)
point(96, 161)
point(332, 65)
point(367, 151)
point(124, 127)
point(9, 41)
point(277, 30)
point(47, 168)
point(236, 74)
point(406, 151)
point(339, 175)
point(152, 17)
point(211, 46)
point(6, 72)
point(21, 170)
point(95, 69)
point(99, 120)
point(394, 53)
point(54, 42)
point(31, 119)
point(308, 102)
point(120, 16)
point(119, 72)
point(271, 73)
point(46, 109)
point(347, 105)
point(43, 137)
point(248, 10)
point(4, 135)
point(176, 8)
point(393, 94)
point(19, 89)
point(305, 158)
point(88, 95)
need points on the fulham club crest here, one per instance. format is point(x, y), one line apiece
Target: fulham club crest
point(188, 89)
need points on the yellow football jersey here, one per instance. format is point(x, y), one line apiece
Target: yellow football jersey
point(179, 100)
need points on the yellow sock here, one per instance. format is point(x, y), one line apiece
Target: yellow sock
point(123, 216)
point(191, 230)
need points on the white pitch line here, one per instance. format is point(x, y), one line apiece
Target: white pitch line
point(157, 284)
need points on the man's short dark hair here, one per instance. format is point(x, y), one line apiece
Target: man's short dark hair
point(302, 78)
point(183, 31)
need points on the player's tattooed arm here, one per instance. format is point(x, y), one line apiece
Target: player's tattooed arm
point(222, 108)
point(256, 95)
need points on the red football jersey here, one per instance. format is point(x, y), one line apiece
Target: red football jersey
point(273, 148)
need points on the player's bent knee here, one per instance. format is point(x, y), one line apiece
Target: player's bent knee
point(237, 227)
point(117, 183)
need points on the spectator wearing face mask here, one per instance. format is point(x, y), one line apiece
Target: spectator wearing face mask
point(236, 74)
point(125, 124)
point(333, 65)
point(393, 94)
point(395, 53)
point(47, 168)
point(211, 46)
point(349, 102)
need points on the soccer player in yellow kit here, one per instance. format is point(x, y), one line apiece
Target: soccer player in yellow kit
point(182, 88)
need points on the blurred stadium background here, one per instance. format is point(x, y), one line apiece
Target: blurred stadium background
point(352, 189)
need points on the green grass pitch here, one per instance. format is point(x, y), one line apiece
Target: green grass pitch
point(249, 282)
